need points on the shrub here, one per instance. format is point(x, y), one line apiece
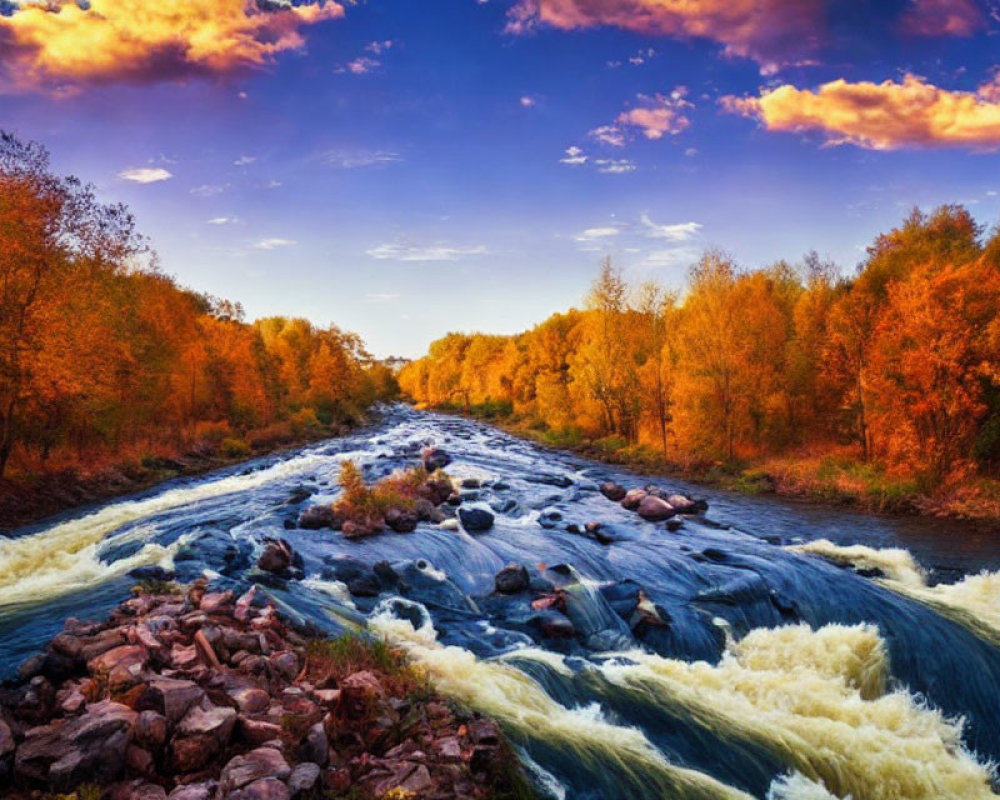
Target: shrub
point(277, 433)
point(213, 432)
point(362, 503)
point(235, 448)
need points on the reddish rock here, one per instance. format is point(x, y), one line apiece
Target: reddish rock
point(360, 529)
point(244, 606)
point(256, 732)
point(205, 649)
point(655, 509)
point(337, 780)
point(184, 657)
point(286, 664)
point(200, 736)
point(174, 697)
point(87, 748)
point(613, 491)
point(150, 730)
point(322, 516)
point(140, 761)
point(123, 656)
point(633, 498)
point(193, 791)
point(264, 762)
point(215, 602)
point(266, 789)
point(251, 701)
point(401, 520)
point(277, 556)
point(360, 693)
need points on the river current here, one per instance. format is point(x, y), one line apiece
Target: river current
point(765, 649)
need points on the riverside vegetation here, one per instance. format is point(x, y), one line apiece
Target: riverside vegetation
point(882, 388)
point(113, 377)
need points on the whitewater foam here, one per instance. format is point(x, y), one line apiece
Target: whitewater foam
point(973, 601)
point(817, 700)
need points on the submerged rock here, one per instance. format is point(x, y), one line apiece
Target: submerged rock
point(475, 520)
point(434, 458)
point(512, 579)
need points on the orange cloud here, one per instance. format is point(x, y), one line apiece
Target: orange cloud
point(942, 18)
point(770, 31)
point(58, 44)
point(881, 116)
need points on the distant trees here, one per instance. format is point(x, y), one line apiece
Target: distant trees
point(901, 360)
point(100, 352)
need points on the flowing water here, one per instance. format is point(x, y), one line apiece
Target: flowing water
point(764, 650)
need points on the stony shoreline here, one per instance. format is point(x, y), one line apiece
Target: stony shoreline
point(190, 694)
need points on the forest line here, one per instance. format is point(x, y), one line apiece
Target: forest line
point(105, 360)
point(883, 386)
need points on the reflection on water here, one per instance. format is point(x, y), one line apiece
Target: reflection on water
point(714, 661)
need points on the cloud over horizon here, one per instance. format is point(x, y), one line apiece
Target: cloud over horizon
point(880, 116)
point(59, 44)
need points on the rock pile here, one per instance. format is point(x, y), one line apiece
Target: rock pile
point(652, 503)
point(206, 696)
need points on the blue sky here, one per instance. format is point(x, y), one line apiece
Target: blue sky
point(405, 169)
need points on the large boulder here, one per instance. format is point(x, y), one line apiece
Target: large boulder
point(434, 458)
point(655, 509)
point(613, 491)
point(475, 520)
point(89, 748)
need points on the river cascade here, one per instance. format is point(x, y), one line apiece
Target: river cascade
point(759, 649)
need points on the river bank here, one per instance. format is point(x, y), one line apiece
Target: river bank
point(190, 694)
point(837, 480)
point(28, 499)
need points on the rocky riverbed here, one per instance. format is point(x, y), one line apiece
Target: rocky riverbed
point(199, 695)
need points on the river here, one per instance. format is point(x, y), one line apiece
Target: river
point(766, 649)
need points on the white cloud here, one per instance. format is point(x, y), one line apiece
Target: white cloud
point(608, 134)
point(360, 66)
point(145, 175)
point(678, 232)
point(434, 252)
point(273, 243)
point(347, 159)
point(377, 48)
point(223, 220)
point(208, 190)
point(614, 166)
point(378, 297)
point(574, 157)
point(244, 161)
point(527, 101)
point(677, 257)
point(594, 234)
